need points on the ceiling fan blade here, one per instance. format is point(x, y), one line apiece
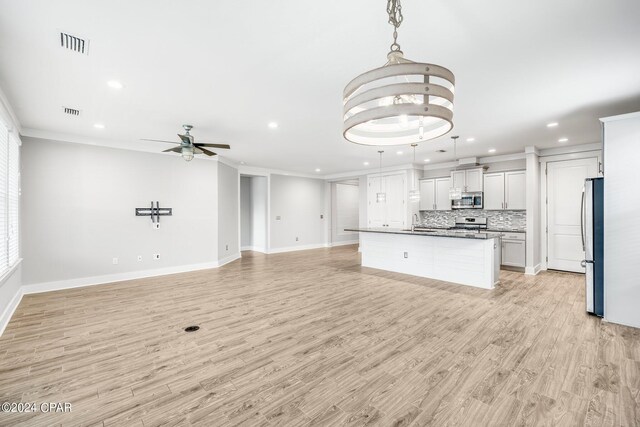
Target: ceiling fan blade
point(174, 149)
point(207, 152)
point(187, 139)
point(159, 140)
point(206, 144)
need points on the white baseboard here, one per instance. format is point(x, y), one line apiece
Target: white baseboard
point(532, 271)
point(350, 242)
point(298, 248)
point(80, 282)
point(228, 259)
point(254, 249)
point(10, 309)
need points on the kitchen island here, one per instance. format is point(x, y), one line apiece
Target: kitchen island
point(466, 258)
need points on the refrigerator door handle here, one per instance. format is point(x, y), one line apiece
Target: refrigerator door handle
point(582, 215)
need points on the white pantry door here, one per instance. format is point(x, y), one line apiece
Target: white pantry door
point(377, 211)
point(565, 184)
point(396, 199)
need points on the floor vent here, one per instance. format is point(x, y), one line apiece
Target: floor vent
point(71, 111)
point(191, 328)
point(74, 43)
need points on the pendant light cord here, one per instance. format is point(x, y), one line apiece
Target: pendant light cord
point(381, 170)
point(394, 9)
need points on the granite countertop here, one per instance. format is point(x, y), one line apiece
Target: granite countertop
point(435, 233)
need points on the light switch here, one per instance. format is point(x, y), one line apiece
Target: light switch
point(406, 254)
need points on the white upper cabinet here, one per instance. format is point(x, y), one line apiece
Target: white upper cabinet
point(434, 194)
point(493, 191)
point(473, 180)
point(443, 202)
point(427, 194)
point(468, 180)
point(393, 212)
point(505, 190)
point(515, 184)
point(458, 179)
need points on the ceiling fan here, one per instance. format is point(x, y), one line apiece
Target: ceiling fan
point(188, 148)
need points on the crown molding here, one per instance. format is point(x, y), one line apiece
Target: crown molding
point(7, 111)
point(571, 149)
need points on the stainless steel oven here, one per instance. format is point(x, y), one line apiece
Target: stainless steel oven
point(468, 201)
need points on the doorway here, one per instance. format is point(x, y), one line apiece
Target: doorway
point(253, 213)
point(565, 186)
point(345, 211)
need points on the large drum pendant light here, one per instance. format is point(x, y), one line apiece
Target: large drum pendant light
point(402, 102)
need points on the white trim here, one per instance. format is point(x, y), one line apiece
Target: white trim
point(502, 158)
point(262, 171)
point(369, 171)
point(620, 117)
point(298, 248)
point(345, 243)
point(532, 271)
point(226, 260)
point(7, 274)
point(7, 314)
point(254, 249)
point(572, 149)
point(437, 166)
point(8, 112)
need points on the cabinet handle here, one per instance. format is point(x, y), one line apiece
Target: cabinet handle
point(505, 205)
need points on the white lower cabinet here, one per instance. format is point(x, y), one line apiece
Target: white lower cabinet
point(434, 194)
point(513, 250)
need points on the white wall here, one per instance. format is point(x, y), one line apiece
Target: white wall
point(78, 205)
point(532, 250)
point(259, 218)
point(621, 208)
point(253, 215)
point(299, 203)
point(246, 239)
point(228, 187)
point(345, 211)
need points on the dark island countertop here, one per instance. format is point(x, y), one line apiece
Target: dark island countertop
point(431, 232)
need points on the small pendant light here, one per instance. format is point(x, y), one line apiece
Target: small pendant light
point(455, 193)
point(414, 195)
point(381, 197)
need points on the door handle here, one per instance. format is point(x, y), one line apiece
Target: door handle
point(582, 214)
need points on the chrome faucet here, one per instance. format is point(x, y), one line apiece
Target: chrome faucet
point(414, 221)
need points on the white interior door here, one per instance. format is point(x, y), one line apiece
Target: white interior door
point(565, 183)
point(396, 195)
point(376, 211)
point(442, 200)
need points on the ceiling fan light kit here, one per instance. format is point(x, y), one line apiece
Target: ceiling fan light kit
point(402, 102)
point(188, 148)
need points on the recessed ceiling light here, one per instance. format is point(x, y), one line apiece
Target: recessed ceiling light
point(470, 139)
point(114, 84)
point(273, 125)
point(427, 160)
point(563, 139)
point(552, 124)
point(399, 153)
point(492, 150)
point(98, 126)
point(366, 163)
point(317, 169)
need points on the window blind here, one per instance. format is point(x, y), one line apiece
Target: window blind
point(13, 202)
point(4, 159)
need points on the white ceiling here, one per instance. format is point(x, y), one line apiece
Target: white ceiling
point(229, 68)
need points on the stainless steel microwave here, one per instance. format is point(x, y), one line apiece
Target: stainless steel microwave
point(468, 201)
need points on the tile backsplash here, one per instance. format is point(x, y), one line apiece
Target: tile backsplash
point(498, 220)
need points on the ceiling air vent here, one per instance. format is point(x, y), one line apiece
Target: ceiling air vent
point(74, 43)
point(71, 111)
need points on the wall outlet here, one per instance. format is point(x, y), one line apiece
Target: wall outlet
point(155, 225)
point(406, 254)
point(156, 256)
point(321, 216)
point(139, 258)
point(278, 217)
point(296, 239)
point(115, 261)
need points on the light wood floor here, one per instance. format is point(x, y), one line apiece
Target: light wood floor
point(311, 338)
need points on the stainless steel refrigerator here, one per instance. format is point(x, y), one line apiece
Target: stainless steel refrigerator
point(593, 244)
